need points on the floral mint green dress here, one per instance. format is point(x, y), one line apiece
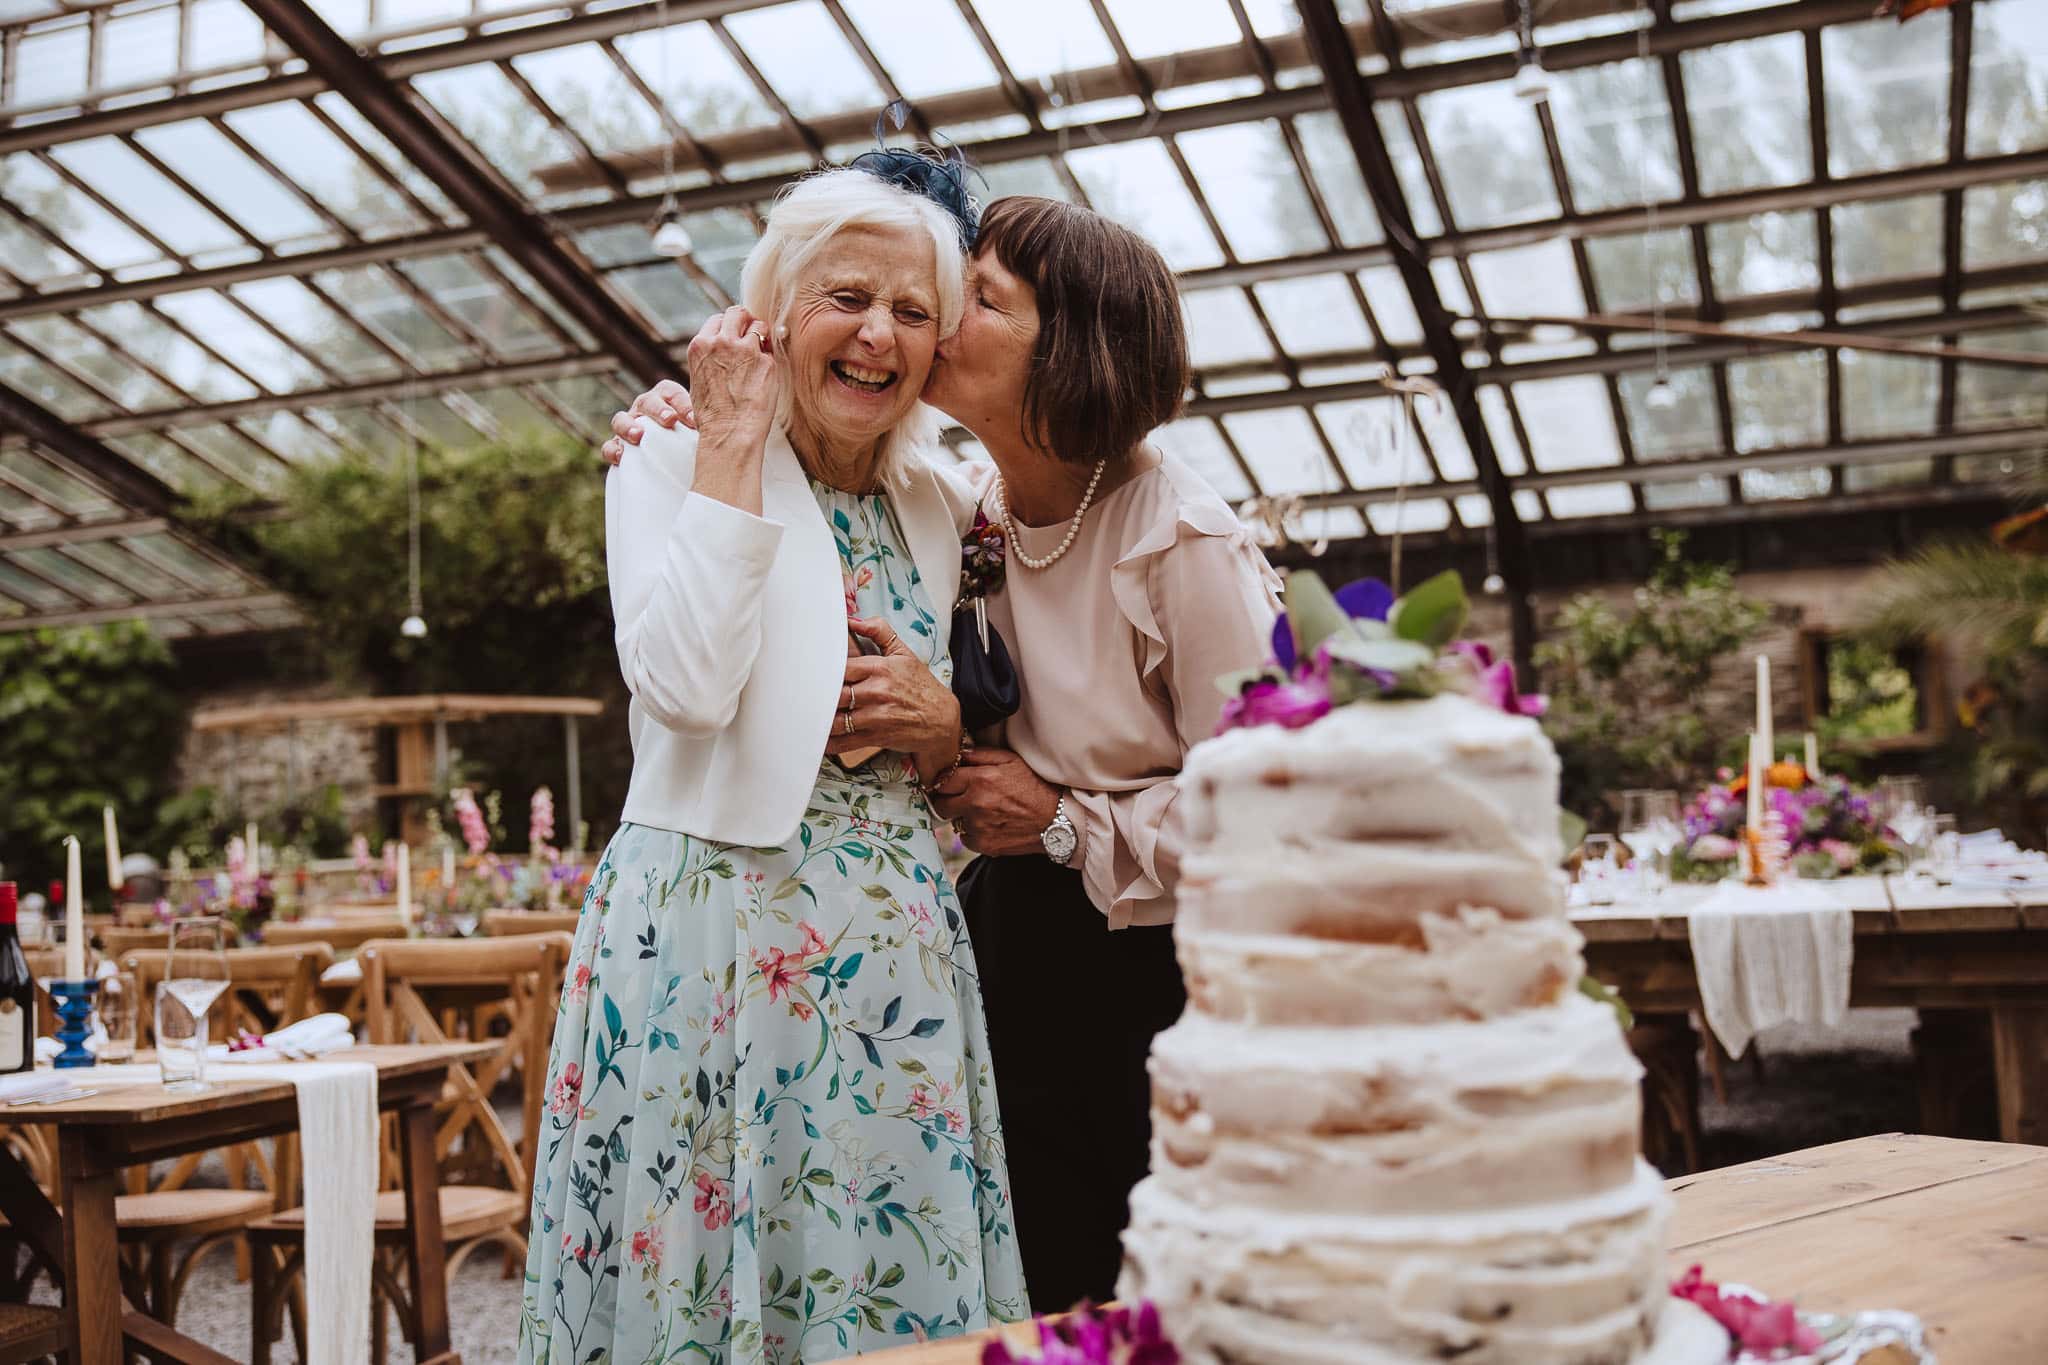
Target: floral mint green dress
point(770, 1131)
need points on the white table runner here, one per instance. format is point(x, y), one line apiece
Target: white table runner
point(338, 1139)
point(1768, 955)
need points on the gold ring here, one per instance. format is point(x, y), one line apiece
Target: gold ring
point(846, 721)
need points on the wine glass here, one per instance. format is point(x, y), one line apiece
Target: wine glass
point(1599, 865)
point(1651, 827)
point(195, 975)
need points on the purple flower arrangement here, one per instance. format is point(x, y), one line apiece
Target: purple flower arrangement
point(1831, 828)
point(1119, 1335)
point(1362, 643)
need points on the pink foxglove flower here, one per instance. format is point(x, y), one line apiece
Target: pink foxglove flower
point(470, 816)
point(540, 825)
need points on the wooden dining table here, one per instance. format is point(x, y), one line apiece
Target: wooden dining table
point(100, 1135)
point(1933, 948)
point(1954, 1232)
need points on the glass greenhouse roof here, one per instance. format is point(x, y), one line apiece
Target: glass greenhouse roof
point(219, 258)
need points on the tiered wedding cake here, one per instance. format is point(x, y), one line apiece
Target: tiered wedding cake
point(1389, 1127)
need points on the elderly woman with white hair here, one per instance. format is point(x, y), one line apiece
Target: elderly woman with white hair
point(771, 1132)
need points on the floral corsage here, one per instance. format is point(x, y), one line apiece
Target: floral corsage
point(982, 551)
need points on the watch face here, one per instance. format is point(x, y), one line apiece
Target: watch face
point(1059, 841)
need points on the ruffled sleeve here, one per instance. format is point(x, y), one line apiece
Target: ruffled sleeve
point(1201, 598)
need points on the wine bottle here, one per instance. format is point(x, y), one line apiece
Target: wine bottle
point(17, 992)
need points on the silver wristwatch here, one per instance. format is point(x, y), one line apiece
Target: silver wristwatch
point(1060, 838)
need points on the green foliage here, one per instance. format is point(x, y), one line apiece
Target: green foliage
point(1871, 694)
point(1994, 602)
point(87, 719)
point(513, 588)
point(1625, 688)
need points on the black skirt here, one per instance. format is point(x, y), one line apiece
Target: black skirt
point(1072, 1009)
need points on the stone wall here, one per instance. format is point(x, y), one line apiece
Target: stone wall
point(259, 771)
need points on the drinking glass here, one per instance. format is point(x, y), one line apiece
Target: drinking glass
point(1944, 848)
point(1599, 866)
point(117, 1006)
point(195, 974)
point(1652, 828)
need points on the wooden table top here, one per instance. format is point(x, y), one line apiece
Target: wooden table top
point(126, 1103)
point(1877, 906)
point(1956, 1232)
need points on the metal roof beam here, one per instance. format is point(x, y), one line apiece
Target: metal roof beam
point(127, 482)
point(487, 204)
point(1352, 99)
point(78, 533)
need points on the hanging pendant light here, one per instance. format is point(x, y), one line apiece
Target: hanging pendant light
point(1493, 585)
point(1663, 394)
point(671, 238)
point(1532, 82)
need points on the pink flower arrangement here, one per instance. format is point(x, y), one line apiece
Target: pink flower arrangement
point(540, 825)
point(1124, 1335)
point(470, 816)
point(1770, 1330)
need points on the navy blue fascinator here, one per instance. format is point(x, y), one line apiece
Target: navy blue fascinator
point(940, 176)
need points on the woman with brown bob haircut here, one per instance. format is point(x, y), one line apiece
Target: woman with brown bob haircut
point(1129, 586)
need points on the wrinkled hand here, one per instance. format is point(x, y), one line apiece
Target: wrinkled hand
point(997, 803)
point(739, 382)
point(896, 702)
point(667, 403)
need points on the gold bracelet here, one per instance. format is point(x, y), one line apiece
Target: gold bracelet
point(959, 753)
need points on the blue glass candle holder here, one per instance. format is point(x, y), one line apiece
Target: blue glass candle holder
point(74, 1007)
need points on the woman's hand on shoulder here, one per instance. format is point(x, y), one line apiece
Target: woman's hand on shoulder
point(738, 380)
point(667, 404)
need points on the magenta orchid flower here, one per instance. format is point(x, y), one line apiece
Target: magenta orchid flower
point(1495, 679)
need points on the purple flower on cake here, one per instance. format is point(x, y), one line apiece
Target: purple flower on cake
point(1123, 1335)
point(1494, 680)
point(1288, 705)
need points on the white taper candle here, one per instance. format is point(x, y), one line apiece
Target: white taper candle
point(113, 849)
point(74, 912)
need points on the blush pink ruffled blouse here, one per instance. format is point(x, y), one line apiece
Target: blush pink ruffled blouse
point(1118, 646)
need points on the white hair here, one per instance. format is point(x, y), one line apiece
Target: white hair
point(808, 215)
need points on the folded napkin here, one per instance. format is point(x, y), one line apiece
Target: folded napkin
point(29, 1085)
point(314, 1037)
point(1766, 955)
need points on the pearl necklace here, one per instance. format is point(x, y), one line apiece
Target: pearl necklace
point(1073, 527)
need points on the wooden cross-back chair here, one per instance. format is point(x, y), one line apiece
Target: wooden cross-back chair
point(342, 935)
point(166, 1227)
point(510, 923)
point(439, 992)
point(116, 944)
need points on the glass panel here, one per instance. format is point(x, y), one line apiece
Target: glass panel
point(2008, 77)
point(86, 230)
point(924, 45)
point(1222, 329)
point(517, 416)
point(1570, 422)
point(224, 33)
point(1408, 168)
point(137, 189)
point(168, 460)
point(1590, 500)
point(291, 436)
point(187, 364)
point(219, 170)
point(1886, 239)
point(130, 385)
point(50, 65)
point(1540, 280)
point(1887, 92)
point(25, 254)
point(1614, 130)
point(1416, 517)
point(1246, 174)
point(32, 592)
point(1707, 490)
point(1474, 509)
point(51, 485)
point(1686, 421)
point(1888, 395)
point(230, 450)
point(1368, 436)
point(1779, 400)
point(722, 238)
point(1312, 524)
point(1283, 450)
point(1999, 395)
point(290, 138)
point(1032, 175)
point(105, 558)
point(1136, 184)
point(590, 399)
point(1197, 441)
point(1766, 253)
point(1779, 485)
point(1528, 504)
point(1638, 269)
point(490, 311)
point(1392, 308)
point(668, 297)
point(805, 59)
point(303, 316)
point(1335, 168)
point(1314, 315)
point(2003, 224)
point(1500, 429)
point(359, 130)
point(581, 84)
point(696, 77)
point(1871, 478)
point(52, 388)
point(1046, 37)
point(139, 47)
point(1489, 151)
point(1150, 29)
point(488, 110)
point(230, 331)
point(1750, 97)
point(1446, 439)
point(374, 299)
